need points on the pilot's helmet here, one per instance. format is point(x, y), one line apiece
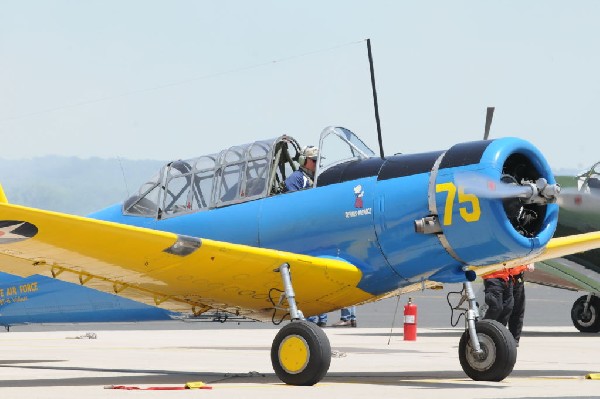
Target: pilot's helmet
point(311, 152)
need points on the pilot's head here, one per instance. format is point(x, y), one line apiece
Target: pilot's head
point(308, 157)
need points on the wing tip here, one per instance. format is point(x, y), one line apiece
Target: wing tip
point(3, 199)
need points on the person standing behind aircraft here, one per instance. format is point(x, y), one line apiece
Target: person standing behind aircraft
point(299, 180)
point(498, 296)
point(348, 317)
point(515, 322)
point(305, 175)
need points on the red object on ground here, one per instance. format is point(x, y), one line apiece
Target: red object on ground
point(410, 321)
point(133, 388)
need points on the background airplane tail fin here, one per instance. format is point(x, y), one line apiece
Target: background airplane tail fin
point(3, 199)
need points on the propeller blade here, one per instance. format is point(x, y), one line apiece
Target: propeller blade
point(574, 200)
point(485, 187)
point(488, 122)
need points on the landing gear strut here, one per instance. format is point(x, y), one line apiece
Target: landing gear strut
point(300, 353)
point(486, 350)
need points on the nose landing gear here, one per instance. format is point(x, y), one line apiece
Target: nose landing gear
point(487, 350)
point(498, 353)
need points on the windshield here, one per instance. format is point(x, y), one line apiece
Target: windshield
point(337, 145)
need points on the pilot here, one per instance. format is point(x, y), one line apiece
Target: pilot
point(305, 175)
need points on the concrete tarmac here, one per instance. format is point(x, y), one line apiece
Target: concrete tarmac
point(234, 359)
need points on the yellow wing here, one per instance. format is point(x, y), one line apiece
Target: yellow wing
point(178, 273)
point(556, 248)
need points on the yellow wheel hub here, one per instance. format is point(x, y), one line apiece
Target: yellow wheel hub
point(294, 354)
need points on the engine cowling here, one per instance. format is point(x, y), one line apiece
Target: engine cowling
point(483, 225)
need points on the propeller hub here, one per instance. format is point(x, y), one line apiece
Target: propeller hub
point(541, 192)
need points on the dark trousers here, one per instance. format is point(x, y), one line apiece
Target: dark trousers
point(499, 299)
point(515, 322)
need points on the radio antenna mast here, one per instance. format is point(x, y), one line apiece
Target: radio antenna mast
point(375, 99)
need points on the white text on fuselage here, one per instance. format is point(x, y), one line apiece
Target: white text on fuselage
point(358, 212)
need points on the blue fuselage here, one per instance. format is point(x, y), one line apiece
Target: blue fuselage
point(372, 231)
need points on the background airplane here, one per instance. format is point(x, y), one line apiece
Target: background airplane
point(217, 232)
point(579, 213)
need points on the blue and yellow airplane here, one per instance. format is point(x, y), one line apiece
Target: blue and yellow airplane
point(218, 232)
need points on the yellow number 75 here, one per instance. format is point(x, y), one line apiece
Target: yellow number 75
point(467, 216)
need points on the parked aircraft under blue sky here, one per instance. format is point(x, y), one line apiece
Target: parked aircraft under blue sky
point(219, 232)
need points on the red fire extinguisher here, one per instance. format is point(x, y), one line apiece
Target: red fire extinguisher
point(410, 321)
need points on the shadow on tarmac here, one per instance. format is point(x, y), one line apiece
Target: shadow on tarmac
point(432, 379)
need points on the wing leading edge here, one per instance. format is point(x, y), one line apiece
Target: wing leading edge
point(175, 272)
point(556, 248)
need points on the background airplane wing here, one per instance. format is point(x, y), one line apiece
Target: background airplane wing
point(179, 273)
point(566, 274)
point(556, 248)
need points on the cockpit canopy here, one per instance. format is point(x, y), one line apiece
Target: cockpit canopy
point(589, 181)
point(238, 174)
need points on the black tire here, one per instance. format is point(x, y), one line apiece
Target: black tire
point(499, 352)
point(301, 353)
point(588, 322)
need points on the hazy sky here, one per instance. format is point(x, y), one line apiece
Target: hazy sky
point(178, 79)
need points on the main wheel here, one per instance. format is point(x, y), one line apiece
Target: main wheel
point(498, 356)
point(587, 322)
point(301, 353)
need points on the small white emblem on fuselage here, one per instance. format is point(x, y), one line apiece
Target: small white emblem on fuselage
point(358, 204)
